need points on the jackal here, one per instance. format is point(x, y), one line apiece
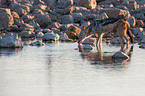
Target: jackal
point(100, 27)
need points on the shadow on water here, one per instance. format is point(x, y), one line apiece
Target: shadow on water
point(105, 58)
point(9, 51)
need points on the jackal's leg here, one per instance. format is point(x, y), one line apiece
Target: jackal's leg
point(122, 30)
point(99, 41)
point(99, 48)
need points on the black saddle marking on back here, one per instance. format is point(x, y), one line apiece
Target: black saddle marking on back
point(106, 21)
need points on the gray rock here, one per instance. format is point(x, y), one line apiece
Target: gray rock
point(43, 20)
point(6, 19)
point(64, 37)
point(120, 55)
point(66, 19)
point(50, 37)
point(39, 35)
point(78, 17)
point(90, 4)
point(37, 43)
point(10, 41)
point(27, 34)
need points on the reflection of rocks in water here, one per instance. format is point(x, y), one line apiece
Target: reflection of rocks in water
point(106, 58)
point(9, 51)
point(27, 41)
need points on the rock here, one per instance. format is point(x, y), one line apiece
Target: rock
point(78, 17)
point(39, 35)
point(35, 25)
point(90, 4)
point(64, 37)
point(68, 10)
point(80, 9)
point(142, 46)
point(132, 5)
point(50, 37)
point(37, 43)
point(27, 18)
point(55, 30)
point(20, 11)
point(55, 25)
point(64, 3)
point(6, 19)
point(27, 34)
point(43, 20)
point(138, 32)
point(25, 26)
point(90, 17)
point(38, 12)
point(66, 19)
point(40, 6)
point(36, 2)
point(73, 31)
point(15, 15)
point(114, 12)
point(120, 55)
point(10, 41)
point(47, 31)
point(142, 40)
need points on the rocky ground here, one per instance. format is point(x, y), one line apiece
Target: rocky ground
point(63, 19)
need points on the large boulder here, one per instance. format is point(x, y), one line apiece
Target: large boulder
point(37, 43)
point(36, 2)
point(67, 19)
point(138, 32)
point(64, 37)
point(73, 32)
point(39, 35)
point(27, 34)
point(132, 4)
point(114, 12)
point(50, 37)
point(78, 17)
point(6, 19)
point(64, 3)
point(90, 4)
point(10, 41)
point(120, 55)
point(43, 20)
point(20, 11)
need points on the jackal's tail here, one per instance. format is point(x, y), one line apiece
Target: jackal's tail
point(129, 33)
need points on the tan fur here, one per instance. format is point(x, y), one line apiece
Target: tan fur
point(121, 26)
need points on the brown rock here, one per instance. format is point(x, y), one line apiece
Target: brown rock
point(73, 31)
point(90, 4)
point(6, 19)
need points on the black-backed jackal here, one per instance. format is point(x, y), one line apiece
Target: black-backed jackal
point(100, 27)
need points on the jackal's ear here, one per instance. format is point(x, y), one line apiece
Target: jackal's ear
point(83, 28)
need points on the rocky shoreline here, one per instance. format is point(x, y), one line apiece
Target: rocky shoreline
point(54, 20)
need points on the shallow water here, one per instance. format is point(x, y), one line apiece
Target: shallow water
point(59, 69)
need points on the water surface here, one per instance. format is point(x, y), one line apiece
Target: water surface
point(59, 69)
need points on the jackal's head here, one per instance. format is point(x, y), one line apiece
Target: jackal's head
point(82, 35)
